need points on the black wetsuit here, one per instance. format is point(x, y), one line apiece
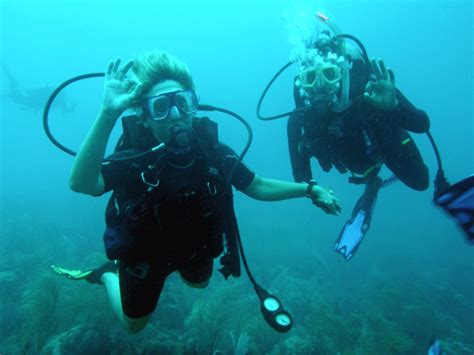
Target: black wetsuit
point(359, 138)
point(179, 227)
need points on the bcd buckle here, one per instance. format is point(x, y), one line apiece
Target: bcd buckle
point(212, 183)
point(148, 183)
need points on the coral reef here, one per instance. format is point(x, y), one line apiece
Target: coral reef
point(337, 309)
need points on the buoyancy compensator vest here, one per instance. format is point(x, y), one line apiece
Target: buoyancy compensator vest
point(176, 192)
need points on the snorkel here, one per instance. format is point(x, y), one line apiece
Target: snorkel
point(343, 102)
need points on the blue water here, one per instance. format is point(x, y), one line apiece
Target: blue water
point(414, 268)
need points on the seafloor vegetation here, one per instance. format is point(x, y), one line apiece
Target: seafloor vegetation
point(366, 311)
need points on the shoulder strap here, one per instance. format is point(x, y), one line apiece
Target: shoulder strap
point(206, 132)
point(135, 135)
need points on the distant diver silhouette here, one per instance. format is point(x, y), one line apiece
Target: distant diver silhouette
point(31, 98)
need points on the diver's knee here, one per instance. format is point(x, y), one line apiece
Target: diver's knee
point(135, 325)
point(194, 284)
point(422, 180)
point(422, 186)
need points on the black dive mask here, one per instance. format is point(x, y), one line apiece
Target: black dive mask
point(181, 147)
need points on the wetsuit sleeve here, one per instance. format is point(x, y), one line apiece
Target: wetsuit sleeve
point(399, 151)
point(242, 176)
point(409, 117)
point(300, 164)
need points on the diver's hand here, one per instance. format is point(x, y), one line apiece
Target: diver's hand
point(119, 91)
point(381, 93)
point(325, 199)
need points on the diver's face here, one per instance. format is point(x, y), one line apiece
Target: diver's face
point(172, 116)
point(321, 80)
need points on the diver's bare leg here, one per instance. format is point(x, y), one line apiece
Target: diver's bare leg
point(111, 282)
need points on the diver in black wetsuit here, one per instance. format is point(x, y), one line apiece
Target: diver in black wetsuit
point(349, 115)
point(362, 137)
point(170, 210)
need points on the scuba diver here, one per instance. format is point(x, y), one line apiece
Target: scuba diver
point(355, 120)
point(31, 98)
point(172, 206)
point(350, 116)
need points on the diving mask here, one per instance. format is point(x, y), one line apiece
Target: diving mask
point(158, 107)
point(325, 76)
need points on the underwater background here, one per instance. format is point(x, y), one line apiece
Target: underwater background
point(413, 276)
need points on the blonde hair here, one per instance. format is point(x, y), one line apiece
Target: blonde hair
point(152, 67)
